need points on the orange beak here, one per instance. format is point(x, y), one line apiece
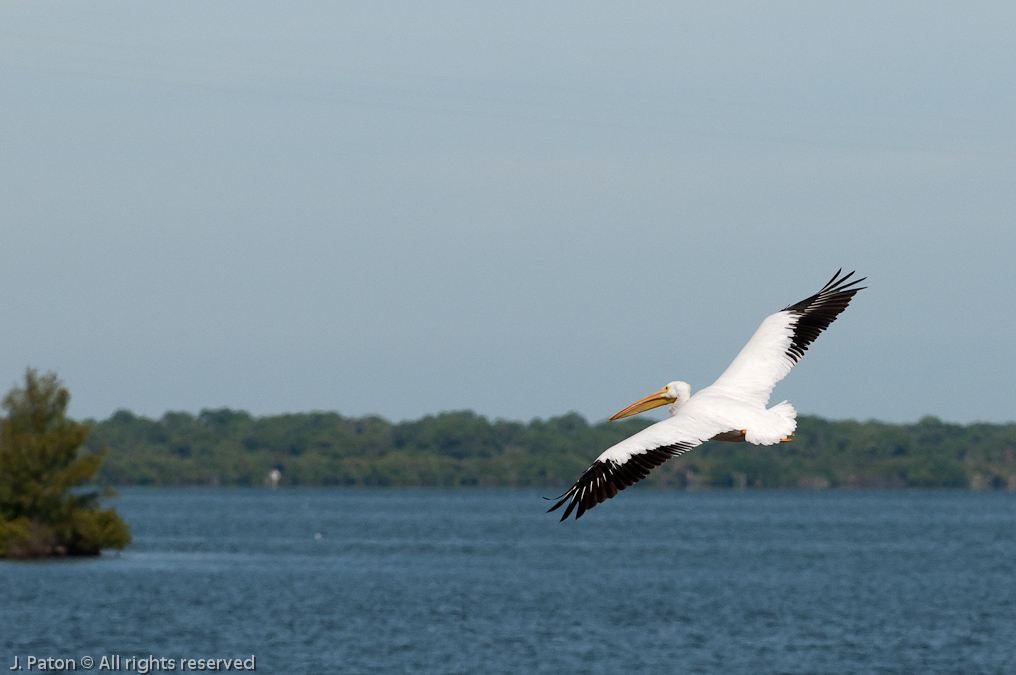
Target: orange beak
point(654, 400)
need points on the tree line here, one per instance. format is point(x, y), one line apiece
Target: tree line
point(233, 448)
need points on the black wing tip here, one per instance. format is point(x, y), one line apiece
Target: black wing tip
point(839, 283)
point(604, 479)
point(588, 491)
point(562, 499)
point(832, 299)
point(815, 313)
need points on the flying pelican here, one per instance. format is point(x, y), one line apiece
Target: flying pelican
point(731, 409)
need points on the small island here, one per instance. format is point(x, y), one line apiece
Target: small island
point(44, 512)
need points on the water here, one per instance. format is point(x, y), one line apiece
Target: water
point(482, 581)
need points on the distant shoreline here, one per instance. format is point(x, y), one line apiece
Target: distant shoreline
point(227, 448)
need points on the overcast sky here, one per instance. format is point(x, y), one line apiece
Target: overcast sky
point(521, 209)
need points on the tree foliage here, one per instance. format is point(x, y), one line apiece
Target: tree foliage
point(41, 464)
point(227, 447)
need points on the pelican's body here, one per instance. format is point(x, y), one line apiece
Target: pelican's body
point(731, 409)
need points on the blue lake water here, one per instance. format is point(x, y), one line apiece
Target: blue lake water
point(482, 581)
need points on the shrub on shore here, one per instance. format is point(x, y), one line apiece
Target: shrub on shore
point(43, 511)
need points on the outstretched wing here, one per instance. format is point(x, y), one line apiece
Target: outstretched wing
point(632, 459)
point(781, 341)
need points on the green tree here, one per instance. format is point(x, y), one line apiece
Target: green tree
point(40, 462)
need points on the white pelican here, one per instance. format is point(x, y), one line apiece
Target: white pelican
point(731, 409)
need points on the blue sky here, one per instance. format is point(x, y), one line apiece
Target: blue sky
point(525, 210)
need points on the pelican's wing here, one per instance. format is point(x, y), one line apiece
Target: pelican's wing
point(632, 459)
point(781, 341)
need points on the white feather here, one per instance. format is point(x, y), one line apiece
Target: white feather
point(762, 362)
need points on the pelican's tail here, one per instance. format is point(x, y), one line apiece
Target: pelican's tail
point(787, 412)
point(788, 418)
point(781, 421)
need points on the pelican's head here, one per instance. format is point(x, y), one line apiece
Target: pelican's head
point(675, 393)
